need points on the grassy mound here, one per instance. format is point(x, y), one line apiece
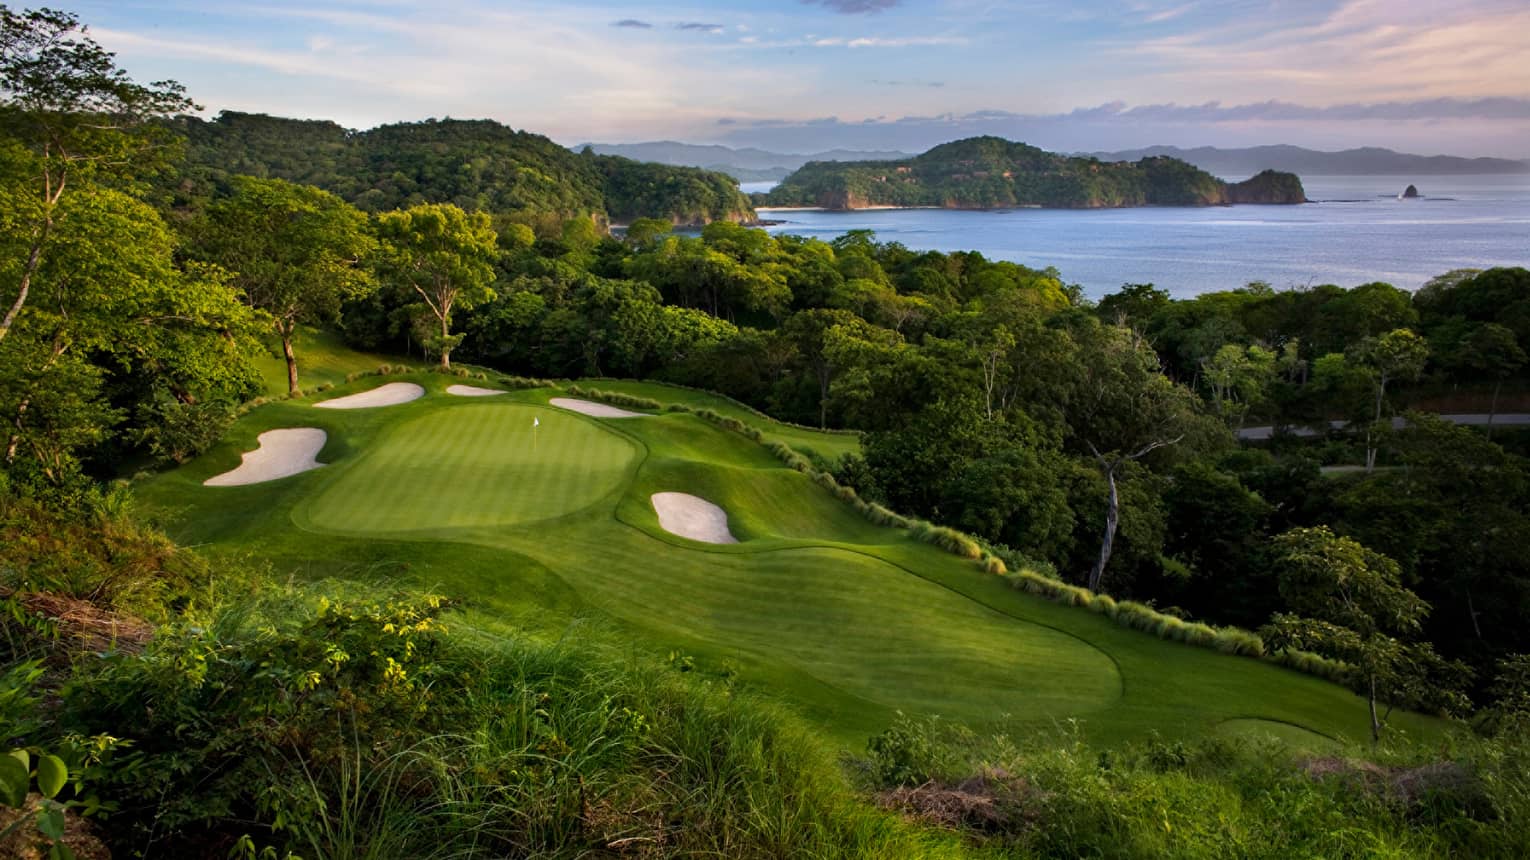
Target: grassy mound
point(849, 621)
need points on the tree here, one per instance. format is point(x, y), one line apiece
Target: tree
point(808, 331)
point(71, 115)
point(1238, 377)
point(1493, 351)
point(1399, 354)
point(1346, 603)
point(446, 256)
point(1120, 409)
point(295, 251)
point(112, 308)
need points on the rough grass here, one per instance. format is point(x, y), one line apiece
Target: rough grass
point(849, 620)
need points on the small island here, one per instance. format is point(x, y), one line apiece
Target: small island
point(1410, 193)
point(993, 173)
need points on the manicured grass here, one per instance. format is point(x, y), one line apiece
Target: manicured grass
point(830, 446)
point(323, 358)
point(1295, 737)
point(847, 621)
point(481, 464)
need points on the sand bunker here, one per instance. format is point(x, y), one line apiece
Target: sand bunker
point(691, 517)
point(282, 454)
point(597, 410)
point(391, 394)
point(472, 391)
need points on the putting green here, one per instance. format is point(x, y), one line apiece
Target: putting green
point(472, 466)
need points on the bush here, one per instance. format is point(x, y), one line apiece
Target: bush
point(615, 398)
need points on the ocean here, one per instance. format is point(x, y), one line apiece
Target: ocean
point(1356, 231)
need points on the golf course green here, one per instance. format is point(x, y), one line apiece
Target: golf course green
point(551, 527)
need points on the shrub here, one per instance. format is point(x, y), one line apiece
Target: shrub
point(1231, 640)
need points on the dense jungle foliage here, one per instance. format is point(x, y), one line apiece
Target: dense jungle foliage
point(479, 165)
point(993, 173)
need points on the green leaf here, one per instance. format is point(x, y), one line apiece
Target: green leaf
point(15, 775)
point(50, 821)
point(60, 851)
point(52, 774)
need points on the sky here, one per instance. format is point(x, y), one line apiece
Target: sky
point(809, 75)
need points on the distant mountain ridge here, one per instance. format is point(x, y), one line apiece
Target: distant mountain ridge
point(993, 173)
point(1364, 161)
point(746, 165)
point(476, 164)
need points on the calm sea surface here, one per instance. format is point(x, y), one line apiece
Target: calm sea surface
point(1358, 231)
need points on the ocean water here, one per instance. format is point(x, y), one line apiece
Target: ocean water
point(1357, 231)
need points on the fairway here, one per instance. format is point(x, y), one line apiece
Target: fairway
point(477, 464)
point(847, 621)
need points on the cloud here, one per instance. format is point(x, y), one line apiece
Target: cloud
point(854, 7)
point(632, 23)
point(696, 25)
point(908, 83)
point(1373, 50)
point(881, 42)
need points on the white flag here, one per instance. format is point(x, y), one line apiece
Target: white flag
point(535, 423)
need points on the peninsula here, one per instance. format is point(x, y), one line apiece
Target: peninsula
point(993, 173)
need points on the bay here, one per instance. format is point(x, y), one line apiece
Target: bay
point(1356, 231)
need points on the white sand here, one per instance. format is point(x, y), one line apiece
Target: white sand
point(391, 394)
point(597, 410)
point(472, 391)
point(282, 453)
point(691, 517)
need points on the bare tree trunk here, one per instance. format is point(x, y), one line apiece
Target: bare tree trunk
point(285, 331)
point(1112, 521)
point(1493, 408)
point(1370, 434)
point(1375, 720)
point(33, 258)
point(446, 351)
point(1471, 610)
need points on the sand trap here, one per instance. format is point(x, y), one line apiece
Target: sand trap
point(282, 454)
point(691, 517)
point(391, 394)
point(472, 391)
point(597, 410)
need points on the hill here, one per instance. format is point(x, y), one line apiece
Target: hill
point(476, 164)
point(539, 514)
point(1364, 161)
point(992, 173)
point(746, 165)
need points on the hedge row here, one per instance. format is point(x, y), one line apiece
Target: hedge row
point(734, 402)
point(615, 398)
point(1138, 616)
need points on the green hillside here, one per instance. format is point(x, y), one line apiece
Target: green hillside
point(850, 622)
point(992, 173)
point(476, 164)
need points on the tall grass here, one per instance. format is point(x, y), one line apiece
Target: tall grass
point(505, 746)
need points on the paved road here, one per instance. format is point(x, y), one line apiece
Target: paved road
point(1477, 419)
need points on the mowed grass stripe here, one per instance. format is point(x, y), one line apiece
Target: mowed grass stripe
point(475, 465)
point(853, 622)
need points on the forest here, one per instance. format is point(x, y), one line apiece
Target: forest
point(156, 700)
point(479, 165)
